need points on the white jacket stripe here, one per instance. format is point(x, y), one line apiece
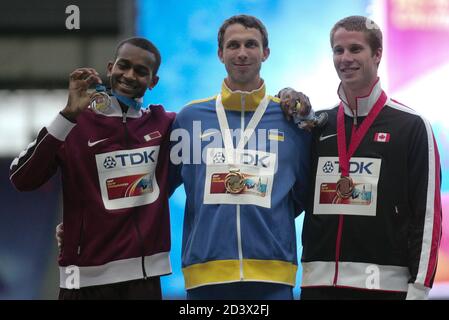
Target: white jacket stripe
point(426, 261)
point(75, 277)
point(356, 275)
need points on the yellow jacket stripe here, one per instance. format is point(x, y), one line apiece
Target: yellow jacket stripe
point(223, 271)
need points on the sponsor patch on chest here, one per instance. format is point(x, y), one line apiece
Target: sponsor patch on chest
point(127, 177)
point(246, 180)
point(362, 200)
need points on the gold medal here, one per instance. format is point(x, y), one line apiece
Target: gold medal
point(234, 181)
point(345, 187)
point(100, 101)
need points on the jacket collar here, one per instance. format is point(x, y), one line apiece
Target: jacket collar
point(238, 100)
point(364, 104)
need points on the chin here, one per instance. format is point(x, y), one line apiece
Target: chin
point(125, 94)
point(349, 81)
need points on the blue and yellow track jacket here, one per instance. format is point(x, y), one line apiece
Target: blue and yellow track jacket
point(249, 236)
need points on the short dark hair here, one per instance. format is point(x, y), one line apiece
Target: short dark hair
point(361, 24)
point(247, 22)
point(143, 44)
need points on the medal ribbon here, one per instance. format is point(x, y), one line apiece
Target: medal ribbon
point(344, 155)
point(132, 103)
point(246, 135)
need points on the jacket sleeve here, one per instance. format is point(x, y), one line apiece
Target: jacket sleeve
point(301, 188)
point(175, 165)
point(425, 204)
point(38, 162)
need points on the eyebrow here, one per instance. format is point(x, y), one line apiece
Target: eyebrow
point(141, 66)
point(242, 40)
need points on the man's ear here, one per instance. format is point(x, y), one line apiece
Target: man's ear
point(266, 54)
point(220, 55)
point(154, 82)
point(378, 55)
point(109, 68)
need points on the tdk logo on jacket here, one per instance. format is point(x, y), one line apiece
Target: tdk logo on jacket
point(127, 177)
point(129, 159)
point(355, 167)
point(246, 158)
point(365, 173)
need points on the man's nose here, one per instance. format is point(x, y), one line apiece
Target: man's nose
point(347, 56)
point(130, 74)
point(242, 54)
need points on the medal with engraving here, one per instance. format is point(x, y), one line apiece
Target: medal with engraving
point(345, 187)
point(100, 100)
point(234, 181)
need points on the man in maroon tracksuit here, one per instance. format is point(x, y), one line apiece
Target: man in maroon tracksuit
point(113, 158)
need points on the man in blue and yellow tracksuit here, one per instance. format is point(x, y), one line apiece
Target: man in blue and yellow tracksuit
point(245, 171)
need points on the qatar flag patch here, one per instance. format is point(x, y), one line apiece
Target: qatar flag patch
point(152, 136)
point(382, 137)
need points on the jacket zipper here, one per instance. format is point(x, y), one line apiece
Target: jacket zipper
point(239, 230)
point(80, 241)
point(125, 127)
point(338, 248)
point(139, 235)
point(142, 247)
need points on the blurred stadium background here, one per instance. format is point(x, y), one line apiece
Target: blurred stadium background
point(37, 53)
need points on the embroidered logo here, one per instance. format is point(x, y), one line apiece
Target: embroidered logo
point(152, 136)
point(382, 137)
point(322, 138)
point(91, 144)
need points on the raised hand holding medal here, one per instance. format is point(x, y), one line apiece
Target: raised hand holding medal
point(79, 96)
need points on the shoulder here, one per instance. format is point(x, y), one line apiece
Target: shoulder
point(158, 111)
point(331, 110)
point(414, 126)
point(196, 107)
point(205, 101)
point(272, 99)
point(406, 113)
point(400, 107)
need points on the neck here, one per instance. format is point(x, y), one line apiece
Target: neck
point(247, 87)
point(238, 100)
point(353, 94)
point(352, 99)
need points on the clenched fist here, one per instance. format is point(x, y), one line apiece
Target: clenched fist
point(293, 101)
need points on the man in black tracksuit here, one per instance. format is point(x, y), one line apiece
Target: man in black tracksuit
point(373, 222)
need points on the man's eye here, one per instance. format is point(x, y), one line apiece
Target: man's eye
point(142, 73)
point(338, 51)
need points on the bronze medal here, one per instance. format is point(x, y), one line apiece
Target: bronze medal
point(100, 101)
point(345, 187)
point(234, 181)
